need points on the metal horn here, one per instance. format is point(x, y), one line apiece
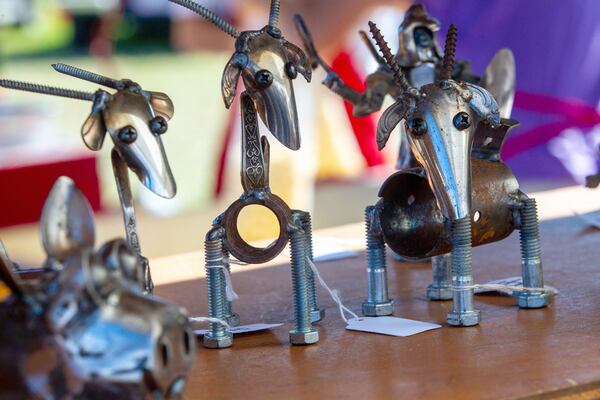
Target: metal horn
point(449, 50)
point(209, 15)
point(407, 88)
point(87, 76)
point(51, 90)
point(274, 14)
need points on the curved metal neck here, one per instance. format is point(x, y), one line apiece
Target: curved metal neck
point(120, 171)
point(255, 149)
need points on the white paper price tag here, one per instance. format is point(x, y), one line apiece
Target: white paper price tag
point(390, 326)
point(242, 328)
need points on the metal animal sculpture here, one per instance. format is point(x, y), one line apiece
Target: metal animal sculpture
point(420, 60)
point(134, 119)
point(268, 64)
point(463, 194)
point(86, 330)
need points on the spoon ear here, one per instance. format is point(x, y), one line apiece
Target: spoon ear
point(162, 104)
point(67, 223)
point(231, 76)
point(388, 121)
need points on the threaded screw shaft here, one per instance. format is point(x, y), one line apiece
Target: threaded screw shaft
point(462, 265)
point(299, 252)
point(274, 13)
point(377, 292)
point(50, 90)
point(217, 302)
point(529, 236)
point(87, 75)
point(209, 15)
point(449, 52)
point(306, 220)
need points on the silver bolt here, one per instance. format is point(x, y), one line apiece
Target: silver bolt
point(441, 285)
point(531, 262)
point(218, 336)
point(463, 313)
point(378, 302)
point(316, 313)
point(232, 318)
point(303, 332)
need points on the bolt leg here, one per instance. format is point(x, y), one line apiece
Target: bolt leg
point(303, 332)
point(463, 313)
point(218, 336)
point(316, 313)
point(378, 302)
point(441, 286)
point(232, 318)
point(531, 262)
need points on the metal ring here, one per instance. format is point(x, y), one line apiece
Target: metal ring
point(234, 242)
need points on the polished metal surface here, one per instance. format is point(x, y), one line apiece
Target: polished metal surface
point(268, 64)
point(500, 80)
point(99, 335)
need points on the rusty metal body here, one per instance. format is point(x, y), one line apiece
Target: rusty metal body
point(85, 329)
point(268, 64)
point(412, 222)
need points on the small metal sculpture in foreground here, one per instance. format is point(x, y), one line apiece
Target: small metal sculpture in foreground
point(135, 119)
point(463, 194)
point(85, 330)
point(267, 63)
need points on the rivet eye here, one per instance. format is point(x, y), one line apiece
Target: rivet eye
point(158, 125)
point(461, 121)
point(291, 71)
point(264, 78)
point(127, 135)
point(417, 126)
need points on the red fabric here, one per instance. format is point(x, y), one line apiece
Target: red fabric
point(571, 112)
point(24, 189)
point(364, 128)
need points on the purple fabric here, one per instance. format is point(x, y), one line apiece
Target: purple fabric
point(557, 51)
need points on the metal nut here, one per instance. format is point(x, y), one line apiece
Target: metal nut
point(468, 318)
point(317, 315)
point(299, 338)
point(378, 309)
point(439, 292)
point(220, 342)
point(532, 300)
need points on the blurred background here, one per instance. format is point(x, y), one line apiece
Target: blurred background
point(337, 171)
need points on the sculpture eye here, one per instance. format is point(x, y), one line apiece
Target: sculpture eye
point(127, 135)
point(290, 70)
point(264, 78)
point(158, 125)
point(417, 126)
point(462, 121)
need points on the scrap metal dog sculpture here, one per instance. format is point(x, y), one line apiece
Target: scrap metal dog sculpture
point(135, 119)
point(420, 59)
point(267, 63)
point(463, 195)
point(86, 330)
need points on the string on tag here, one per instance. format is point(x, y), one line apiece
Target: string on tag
point(220, 263)
point(500, 287)
point(334, 293)
point(210, 319)
point(228, 260)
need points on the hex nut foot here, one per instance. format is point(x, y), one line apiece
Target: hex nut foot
point(439, 292)
point(302, 338)
point(370, 309)
point(317, 315)
point(466, 318)
point(220, 342)
point(532, 300)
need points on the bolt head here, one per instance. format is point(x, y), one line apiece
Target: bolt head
point(435, 292)
point(532, 300)
point(464, 318)
point(233, 319)
point(301, 338)
point(159, 125)
point(218, 342)
point(317, 315)
point(378, 309)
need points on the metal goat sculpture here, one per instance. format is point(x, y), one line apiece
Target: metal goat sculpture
point(463, 194)
point(86, 330)
point(420, 59)
point(268, 64)
point(135, 119)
